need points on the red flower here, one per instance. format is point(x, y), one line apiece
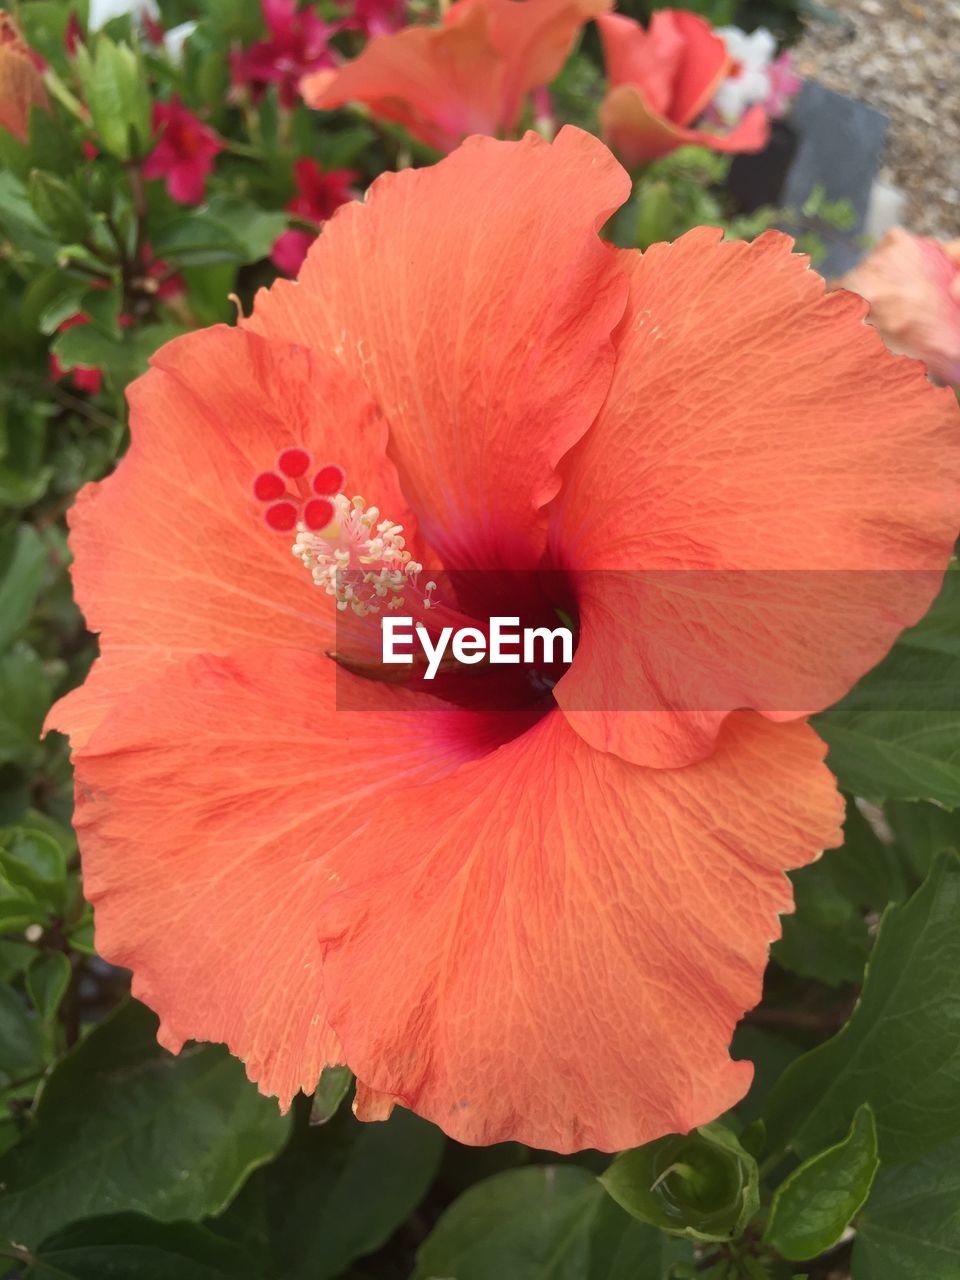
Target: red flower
point(170, 285)
point(73, 34)
point(185, 152)
point(21, 80)
point(153, 29)
point(472, 74)
point(319, 193)
point(298, 44)
point(540, 923)
point(84, 377)
point(661, 80)
point(375, 17)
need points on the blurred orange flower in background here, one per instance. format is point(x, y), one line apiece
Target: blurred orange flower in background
point(913, 286)
point(541, 923)
point(471, 74)
point(21, 80)
point(662, 78)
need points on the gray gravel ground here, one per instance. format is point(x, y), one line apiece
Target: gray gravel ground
point(902, 56)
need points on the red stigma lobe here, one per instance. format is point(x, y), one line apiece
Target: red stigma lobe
point(268, 487)
point(289, 491)
point(294, 462)
point(318, 513)
point(282, 516)
point(329, 480)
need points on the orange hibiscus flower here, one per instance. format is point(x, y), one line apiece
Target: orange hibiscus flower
point(471, 74)
point(21, 80)
point(543, 922)
point(912, 284)
point(662, 79)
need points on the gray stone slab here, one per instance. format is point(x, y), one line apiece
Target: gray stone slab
point(840, 142)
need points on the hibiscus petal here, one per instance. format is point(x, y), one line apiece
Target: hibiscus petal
point(210, 803)
point(638, 134)
point(774, 495)
point(534, 37)
point(171, 553)
point(21, 86)
point(553, 946)
point(913, 287)
point(674, 64)
point(477, 303)
point(647, 59)
point(440, 83)
point(704, 65)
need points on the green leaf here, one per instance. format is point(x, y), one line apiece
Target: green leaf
point(548, 1222)
point(339, 1191)
point(47, 981)
point(910, 1229)
point(623, 1248)
point(123, 1125)
point(122, 359)
point(702, 1185)
point(196, 240)
point(253, 228)
point(922, 831)
point(64, 304)
point(826, 937)
point(900, 1050)
point(58, 206)
point(226, 230)
point(53, 146)
point(117, 94)
point(770, 1054)
point(897, 734)
point(813, 1207)
point(23, 558)
point(655, 213)
point(127, 1245)
point(20, 224)
point(85, 347)
point(34, 862)
point(25, 696)
point(80, 936)
point(334, 1086)
point(870, 871)
point(21, 1050)
point(14, 958)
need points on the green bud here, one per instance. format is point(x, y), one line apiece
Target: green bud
point(703, 1185)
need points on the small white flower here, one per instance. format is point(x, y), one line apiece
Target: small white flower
point(749, 83)
point(176, 38)
point(103, 11)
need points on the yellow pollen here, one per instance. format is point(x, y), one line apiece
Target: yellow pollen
point(359, 559)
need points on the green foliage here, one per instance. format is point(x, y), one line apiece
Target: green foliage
point(911, 1227)
point(900, 1051)
point(119, 1120)
point(130, 1244)
point(333, 1088)
point(22, 560)
point(58, 206)
point(117, 96)
point(812, 1208)
point(896, 736)
point(550, 1222)
point(337, 1193)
